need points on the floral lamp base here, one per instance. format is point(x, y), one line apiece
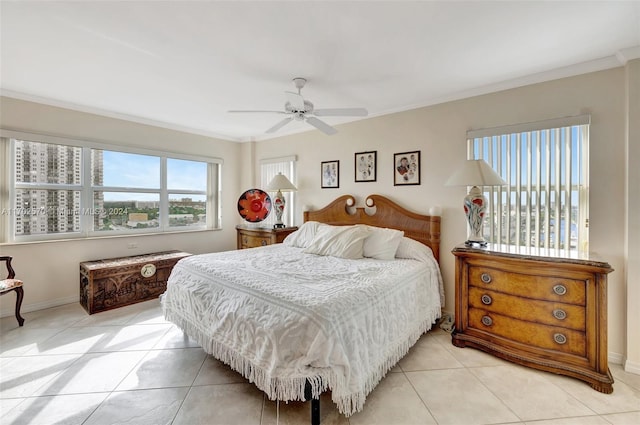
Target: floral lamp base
point(278, 205)
point(475, 207)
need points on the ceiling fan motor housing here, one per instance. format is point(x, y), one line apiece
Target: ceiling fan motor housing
point(308, 107)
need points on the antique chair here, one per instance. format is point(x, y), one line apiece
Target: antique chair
point(10, 284)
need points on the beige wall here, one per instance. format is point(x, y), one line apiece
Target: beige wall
point(633, 215)
point(51, 269)
point(439, 132)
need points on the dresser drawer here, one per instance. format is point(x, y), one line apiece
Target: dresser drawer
point(557, 289)
point(261, 236)
point(252, 241)
point(535, 335)
point(549, 313)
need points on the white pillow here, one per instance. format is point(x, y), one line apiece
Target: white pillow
point(382, 243)
point(414, 250)
point(302, 237)
point(339, 241)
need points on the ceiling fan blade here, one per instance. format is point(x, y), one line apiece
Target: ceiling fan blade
point(279, 125)
point(346, 112)
point(321, 125)
point(295, 100)
point(256, 111)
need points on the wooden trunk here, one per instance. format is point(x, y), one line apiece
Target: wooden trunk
point(116, 282)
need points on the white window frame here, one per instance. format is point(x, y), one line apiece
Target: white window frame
point(8, 185)
point(488, 144)
point(269, 168)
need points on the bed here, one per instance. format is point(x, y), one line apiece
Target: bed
point(312, 314)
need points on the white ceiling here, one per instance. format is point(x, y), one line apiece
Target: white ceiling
point(183, 64)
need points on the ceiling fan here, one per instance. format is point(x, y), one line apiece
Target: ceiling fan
point(298, 109)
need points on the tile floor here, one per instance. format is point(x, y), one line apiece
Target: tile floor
point(130, 366)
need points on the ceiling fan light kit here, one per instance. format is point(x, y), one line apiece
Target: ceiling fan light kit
point(300, 109)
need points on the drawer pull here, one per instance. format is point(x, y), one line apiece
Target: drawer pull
point(559, 339)
point(485, 278)
point(487, 321)
point(560, 289)
point(245, 240)
point(486, 299)
point(263, 242)
point(559, 314)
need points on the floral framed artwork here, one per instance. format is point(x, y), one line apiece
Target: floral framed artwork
point(365, 166)
point(406, 168)
point(330, 174)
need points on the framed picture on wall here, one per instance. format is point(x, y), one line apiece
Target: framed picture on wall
point(330, 174)
point(406, 168)
point(365, 166)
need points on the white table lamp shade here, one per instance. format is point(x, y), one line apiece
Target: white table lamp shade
point(475, 172)
point(282, 184)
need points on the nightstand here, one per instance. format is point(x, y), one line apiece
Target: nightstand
point(251, 237)
point(536, 309)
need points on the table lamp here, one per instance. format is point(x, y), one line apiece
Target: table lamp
point(282, 184)
point(475, 172)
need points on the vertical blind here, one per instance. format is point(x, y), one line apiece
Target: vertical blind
point(545, 201)
point(269, 168)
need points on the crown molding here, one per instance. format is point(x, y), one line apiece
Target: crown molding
point(620, 58)
point(628, 54)
point(116, 115)
point(614, 61)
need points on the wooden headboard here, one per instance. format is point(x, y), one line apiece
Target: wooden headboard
point(383, 213)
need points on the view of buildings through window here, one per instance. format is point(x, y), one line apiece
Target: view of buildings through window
point(545, 201)
point(41, 210)
point(126, 190)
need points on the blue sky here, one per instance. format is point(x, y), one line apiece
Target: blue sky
point(143, 171)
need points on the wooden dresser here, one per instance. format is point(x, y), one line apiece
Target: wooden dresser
point(251, 237)
point(542, 311)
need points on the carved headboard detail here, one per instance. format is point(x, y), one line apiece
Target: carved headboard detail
point(382, 213)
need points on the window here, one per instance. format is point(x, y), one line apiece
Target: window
point(187, 189)
point(47, 189)
point(63, 189)
point(126, 191)
point(545, 165)
point(269, 168)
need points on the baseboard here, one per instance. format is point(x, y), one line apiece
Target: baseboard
point(26, 308)
point(615, 358)
point(631, 367)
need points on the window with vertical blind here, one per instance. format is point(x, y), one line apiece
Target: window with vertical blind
point(545, 201)
point(269, 168)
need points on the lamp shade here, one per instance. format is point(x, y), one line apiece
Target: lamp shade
point(475, 172)
point(281, 182)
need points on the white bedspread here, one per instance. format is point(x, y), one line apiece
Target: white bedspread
point(281, 317)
